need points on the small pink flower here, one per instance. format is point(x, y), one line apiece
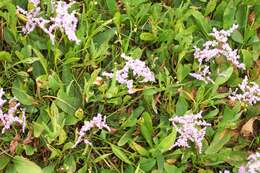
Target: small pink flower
point(189, 128)
point(139, 69)
point(9, 118)
point(97, 121)
point(214, 48)
point(63, 20)
point(250, 92)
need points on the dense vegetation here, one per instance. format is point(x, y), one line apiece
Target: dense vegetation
point(62, 80)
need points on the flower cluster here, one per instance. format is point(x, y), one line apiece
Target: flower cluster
point(139, 69)
point(250, 92)
point(215, 48)
point(97, 121)
point(189, 128)
point(203, 74)
point(63, 20)
point(9, 118)
point(253, 164)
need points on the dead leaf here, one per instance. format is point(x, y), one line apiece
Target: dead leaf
point(113, 130)
point(28, 139)
point(14, 143)
point(251, 18)
point(247, 129)
point(171, 161)
point(98, 81)
point(223, 89)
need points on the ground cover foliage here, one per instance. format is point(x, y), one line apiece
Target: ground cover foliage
point(59, 85)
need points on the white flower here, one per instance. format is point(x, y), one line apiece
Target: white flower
point(189, 128)
point(2, 101)
point(97, 121)
point(219, 46)
point(139, 69)
point(203, 74)
point(250, 92)
point(225, 171)
point(63, 20)
point(9, 118)
point(253, 164)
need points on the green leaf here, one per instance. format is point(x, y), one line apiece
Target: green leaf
point(4, 160)
point(146, 36)
point(37, 129)
point(147, 127)
point(242, 15)
point(181, 105)
point(247, 58)
point(237, 37)
point(29, 150)
point(102, 157)
point(168, 141)
point(201, 22)
point(49, 169)
point(200, 94)
point(69, 164)
point(219, 140)
point(126, 137)
point(111, 4)
point(120, 154)
point(43, 61)
point(211, 114)
point(131, 121)
point(210, 7)
point(229, 14)
point(224, 76)
point(141, 150)
point(171, 168)
point(23, 165)
point(182, 71)
point(5, 56)
point(147, 164)
point(67, 102)
point(54, 81)
point(21, 94)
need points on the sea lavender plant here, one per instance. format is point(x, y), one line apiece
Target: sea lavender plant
point(9, 118)
point(139, 69)
point(203, 74)
point(97, 121)
point(219, 46)
point(33, 20)
point(63, 20)
point(253, 164)
point(250, 92)
point(215, 48)
point(189, 128)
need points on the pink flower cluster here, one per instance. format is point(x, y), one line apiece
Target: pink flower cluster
point(97, 121)
point(63, 20)
point(250, 92)
point(203, 74)
point(215, 48)
point(139, 69)
point(9, 118)
point(253, 164)
point(190, 129)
